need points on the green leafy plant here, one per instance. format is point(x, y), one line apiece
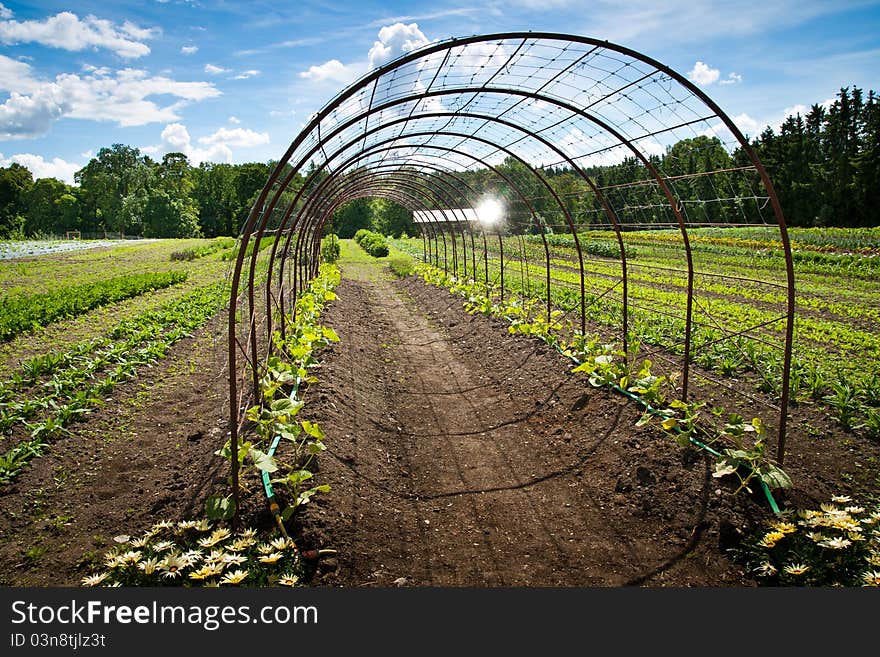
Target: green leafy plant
point(371, 242)
point(402, 266)
point(330, 248)
point(274, 418)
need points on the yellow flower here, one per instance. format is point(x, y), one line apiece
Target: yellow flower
point(828, 508)
point(816, 537)
point(221, 534)
point(872, 578)
point(273, 557)
point(139, 542)
point(187, 524)
point(796, 568)
point(162, 546)
point(217, 536)
point(846, 524)
point(149, 566)
point(281, 542)
point(94, 580)
point(855, 536)
point(854, 509)
point(202, 525)
point(784, 527)
point(836, 543)
point(162, 524)
point(132, 556)
point(215, 556)
point(873, 559)
point(113, 561)
point(770, 539)
point(242, 543)
point(208, 542)
point(841, 499)
point(288, 580)
point(265, 548)
point(236, 577)
point(250, 532)
point(206, 571)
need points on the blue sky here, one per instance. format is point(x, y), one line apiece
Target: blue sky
point(231, 81)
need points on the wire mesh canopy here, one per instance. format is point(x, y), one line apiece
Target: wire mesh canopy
point(570, 134)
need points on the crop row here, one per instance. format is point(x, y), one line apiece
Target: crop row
point(833, 362)
point(20, 313)
point(274, 418)
point(738, 446)
point(50, 391)
point(218, 244)
point(371, 242)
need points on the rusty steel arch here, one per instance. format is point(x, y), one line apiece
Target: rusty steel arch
point(519, 108)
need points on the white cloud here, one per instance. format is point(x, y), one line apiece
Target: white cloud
point(395, 40)
point(750, 127)
point(234, 119)
point(25, 117)
point(40, 168)
point(702, 74)
point(332, 70)
point(732, 78)
point(4, 12)
point(176, 139)
point(803, 110)
point(68, 32)
point(123, 97)
point(244, 75)
point(210, 69)
point(189, 50)
point(235, 137)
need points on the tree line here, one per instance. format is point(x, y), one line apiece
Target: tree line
point(122, 191)
point(825, 168)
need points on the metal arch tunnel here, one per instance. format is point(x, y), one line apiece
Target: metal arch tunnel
point(511, 107)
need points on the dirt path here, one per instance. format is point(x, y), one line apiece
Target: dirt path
point(463, 456)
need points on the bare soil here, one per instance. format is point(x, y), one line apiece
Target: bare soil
point(458, 455)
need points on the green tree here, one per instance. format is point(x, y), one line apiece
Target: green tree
point(216, 197)
point(350, 218)
point(250, 179)
point(15, 182)
point(390, 218)
point(110, 177)
point(67, 208)
point(164, 216)
point(41, 208)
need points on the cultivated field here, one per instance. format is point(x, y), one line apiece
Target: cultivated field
point(453, 450)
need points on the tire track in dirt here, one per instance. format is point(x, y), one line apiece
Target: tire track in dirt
point(460, 455)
